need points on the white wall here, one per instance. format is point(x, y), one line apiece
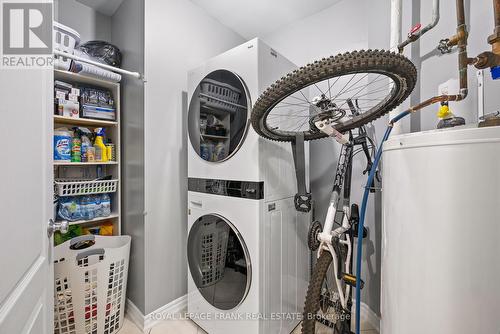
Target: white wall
point(90, 24)
point(127, 31)
point(179, 37)
point(346, 26)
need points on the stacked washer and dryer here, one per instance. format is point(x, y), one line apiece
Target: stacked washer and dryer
point(247, 250)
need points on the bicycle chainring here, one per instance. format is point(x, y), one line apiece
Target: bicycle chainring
point(312, 236)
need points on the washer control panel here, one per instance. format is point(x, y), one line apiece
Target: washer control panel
point(241, 189)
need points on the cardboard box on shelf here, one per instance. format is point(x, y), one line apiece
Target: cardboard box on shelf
point(73, 97)
point(89, 111)
point(68, 108)
point(60, 94)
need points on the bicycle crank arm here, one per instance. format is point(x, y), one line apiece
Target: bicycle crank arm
point(325, 127)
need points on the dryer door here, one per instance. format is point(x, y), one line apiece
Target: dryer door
point(219, 262)
point(218, 116)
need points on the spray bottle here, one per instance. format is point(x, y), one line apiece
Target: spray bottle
point(100, 148)
point(76, 146)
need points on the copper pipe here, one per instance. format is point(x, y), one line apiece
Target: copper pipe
point(463, 61)
point(435, 99)
point(492, 58)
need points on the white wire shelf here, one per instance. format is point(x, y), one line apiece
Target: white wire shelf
point(95, 220)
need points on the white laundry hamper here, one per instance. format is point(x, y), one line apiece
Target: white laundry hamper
point(65, 39)
point(90, 284)
point(219, 95)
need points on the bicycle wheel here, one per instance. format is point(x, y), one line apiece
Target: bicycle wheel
point(322, 307)
point(348, 90)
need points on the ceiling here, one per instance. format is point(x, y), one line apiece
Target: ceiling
point(256, 18)
point(106, 7)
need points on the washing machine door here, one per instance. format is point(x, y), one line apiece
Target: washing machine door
point(218, 116)
point(219, 262)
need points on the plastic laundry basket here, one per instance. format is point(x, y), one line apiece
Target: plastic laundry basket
point(214, 238)
point(220, 95)
point(65, 39)
point(90, 275)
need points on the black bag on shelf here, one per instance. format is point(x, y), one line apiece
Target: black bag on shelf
point(103, 51)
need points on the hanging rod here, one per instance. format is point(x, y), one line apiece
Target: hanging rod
point(136, 75)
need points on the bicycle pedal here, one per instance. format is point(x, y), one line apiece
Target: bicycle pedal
point(351, 280)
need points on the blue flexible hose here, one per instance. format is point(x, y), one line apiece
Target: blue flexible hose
point(364, 203)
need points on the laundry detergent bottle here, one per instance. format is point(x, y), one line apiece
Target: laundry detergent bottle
point(100, 148)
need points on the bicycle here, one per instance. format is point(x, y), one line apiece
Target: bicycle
point(319, 299)
point(348, 91)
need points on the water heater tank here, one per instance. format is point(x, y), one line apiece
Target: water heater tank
point(441, 232)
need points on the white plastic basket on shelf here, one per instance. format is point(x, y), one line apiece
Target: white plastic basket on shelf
point(71, 187)
point(214, 237)
point(65, 39)
point(219, 95)
point(90, 284)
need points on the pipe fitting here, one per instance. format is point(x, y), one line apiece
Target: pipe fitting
point(461, 35)
point(494, 39)
point(487, 59)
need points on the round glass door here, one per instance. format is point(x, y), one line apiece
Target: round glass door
point(219, 262)
point(218, 116)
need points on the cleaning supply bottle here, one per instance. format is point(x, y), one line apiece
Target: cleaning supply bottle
point(85, 135)
point(76, 147)
point(100, 149)
point(111, 150)
point(62, 144)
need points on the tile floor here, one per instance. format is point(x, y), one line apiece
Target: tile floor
point(189, 327)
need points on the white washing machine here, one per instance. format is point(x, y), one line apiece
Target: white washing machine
point(223, 145)
point(247, 249)
point(248, 263)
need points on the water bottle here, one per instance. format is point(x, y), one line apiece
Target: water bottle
point(84, 207)
point(98, 206)
point(106, 205)
point(88, 207)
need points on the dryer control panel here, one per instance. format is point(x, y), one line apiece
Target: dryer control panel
point(241, 189)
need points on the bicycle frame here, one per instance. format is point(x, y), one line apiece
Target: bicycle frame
point(329, 235)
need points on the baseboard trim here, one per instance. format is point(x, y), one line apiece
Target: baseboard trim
point(145, 322)
point(367, 315)
point(174, 307)
point(134, 314)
